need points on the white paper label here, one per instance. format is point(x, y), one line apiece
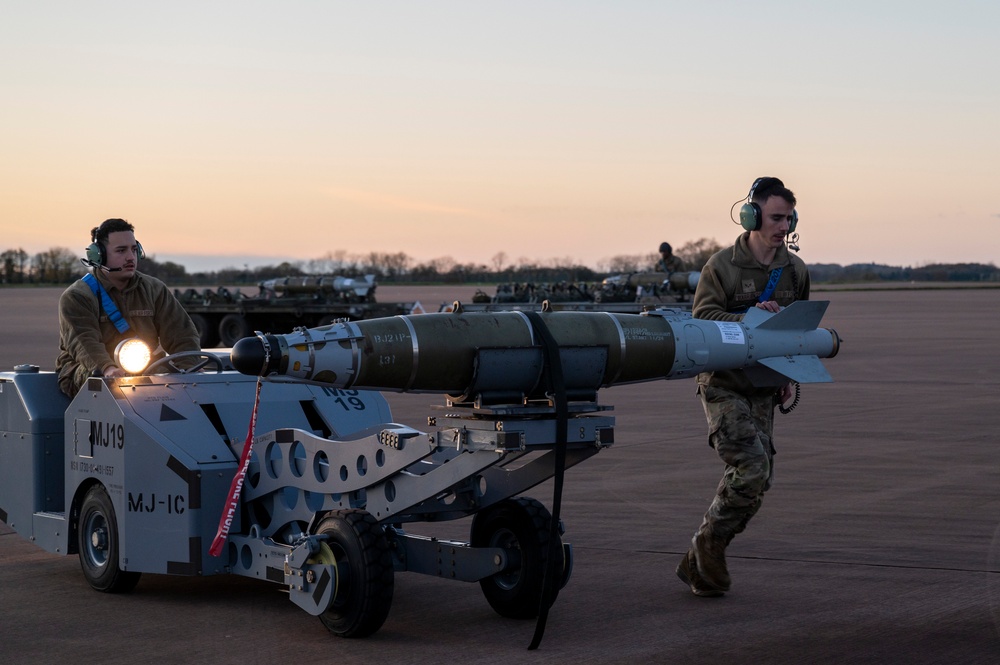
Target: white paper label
point(732, 333)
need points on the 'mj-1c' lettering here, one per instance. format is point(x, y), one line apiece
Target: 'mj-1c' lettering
point(173, 503)
point(107, 434)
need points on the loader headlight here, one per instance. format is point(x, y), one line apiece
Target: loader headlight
point(132, 355)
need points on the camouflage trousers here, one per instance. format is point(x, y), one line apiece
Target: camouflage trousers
point(740, 429)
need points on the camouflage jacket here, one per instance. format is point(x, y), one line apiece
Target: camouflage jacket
point(673, 265)
point(731, 282)
point(87, 337)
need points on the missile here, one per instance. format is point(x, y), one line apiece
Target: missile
point(498, 357)
point(678, 281)
point(320, 285)
point(684, 281)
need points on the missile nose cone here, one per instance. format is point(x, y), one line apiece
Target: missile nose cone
point(248, 357)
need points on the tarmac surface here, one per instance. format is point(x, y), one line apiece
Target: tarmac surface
point(879, 542)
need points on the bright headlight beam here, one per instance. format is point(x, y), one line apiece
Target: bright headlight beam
point(133, 355)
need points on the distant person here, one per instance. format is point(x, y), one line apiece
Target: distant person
point(757, 271)
point(668, 262)
point(114, 302)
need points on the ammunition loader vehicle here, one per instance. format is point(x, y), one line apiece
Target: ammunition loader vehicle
point(132, 476)
point(279, 459)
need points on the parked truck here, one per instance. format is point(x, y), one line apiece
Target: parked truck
point(223, 315)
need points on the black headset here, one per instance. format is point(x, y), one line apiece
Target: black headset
point(751, 217)
point(98, 256)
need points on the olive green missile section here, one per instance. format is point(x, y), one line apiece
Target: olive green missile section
point(497, 357)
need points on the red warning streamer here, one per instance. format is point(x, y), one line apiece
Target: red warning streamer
point(233, 504)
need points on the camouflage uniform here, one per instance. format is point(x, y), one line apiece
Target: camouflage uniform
point(87, 337)
point(673, 265)
point(740, 416)
point(740, 430)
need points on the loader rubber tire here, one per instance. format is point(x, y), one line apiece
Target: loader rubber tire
point(363, 596)
point(99, 543)
point(521, 526)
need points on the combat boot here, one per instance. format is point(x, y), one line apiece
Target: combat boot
point(710, 556)
point(687, 571)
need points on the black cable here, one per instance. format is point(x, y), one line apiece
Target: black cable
point(795, 402)
point(798, 387)
point(557, 383)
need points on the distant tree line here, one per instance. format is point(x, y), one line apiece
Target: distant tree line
point(833, 273)
point(62, 266)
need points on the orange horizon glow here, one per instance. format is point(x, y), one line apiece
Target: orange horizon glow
point(532, 131)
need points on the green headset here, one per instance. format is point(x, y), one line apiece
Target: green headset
point(97, 255)
point(751, 217)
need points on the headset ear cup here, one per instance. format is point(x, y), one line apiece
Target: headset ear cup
point(795, 221)
point(139, 253)
point(750, 216)
point(95, 253)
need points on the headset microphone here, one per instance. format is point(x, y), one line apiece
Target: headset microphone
point(98, 266)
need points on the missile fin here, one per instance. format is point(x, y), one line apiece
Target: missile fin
point(801, 369)
point(800, 315)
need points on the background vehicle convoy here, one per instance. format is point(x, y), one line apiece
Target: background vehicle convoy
point(133, 474)
point(224, 315)
point(628, 293)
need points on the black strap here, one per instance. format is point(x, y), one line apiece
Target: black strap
point(557, 383)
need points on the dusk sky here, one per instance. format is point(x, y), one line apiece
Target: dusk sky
point(580, 130)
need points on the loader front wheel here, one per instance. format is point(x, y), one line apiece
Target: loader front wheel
point(99, 544)
point(363, 595)
point(522, 527)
